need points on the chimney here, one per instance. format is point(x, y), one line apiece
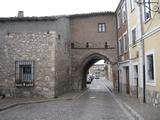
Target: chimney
point(20, 14)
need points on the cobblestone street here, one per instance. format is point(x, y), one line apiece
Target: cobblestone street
point(96, 103)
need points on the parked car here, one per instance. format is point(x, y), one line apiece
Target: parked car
point(89, 79)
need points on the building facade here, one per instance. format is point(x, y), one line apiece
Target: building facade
point(123, 50)
point(93, 38)
point(151, 37)
point(135, 48)
point(143, 28)
point(46, 56)
point(32, 53)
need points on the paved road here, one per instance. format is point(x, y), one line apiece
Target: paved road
point(96, 103)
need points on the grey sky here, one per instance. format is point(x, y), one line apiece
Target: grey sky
point(9, 8)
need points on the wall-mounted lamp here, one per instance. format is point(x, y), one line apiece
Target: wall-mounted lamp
point(156, 7)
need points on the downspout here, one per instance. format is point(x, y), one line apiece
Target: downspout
point(118, 81)
point(143, 53)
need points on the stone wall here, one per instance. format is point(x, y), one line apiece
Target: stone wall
point(39, 47)
point(63, 59)
point(84, 29)
point(33, 39)
point(153, 97)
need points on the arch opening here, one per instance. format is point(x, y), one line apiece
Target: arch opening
point(95, 67)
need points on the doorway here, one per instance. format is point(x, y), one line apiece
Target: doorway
point(136, 79)
point(127, 80)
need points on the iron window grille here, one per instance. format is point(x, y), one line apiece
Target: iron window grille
point(24, 73)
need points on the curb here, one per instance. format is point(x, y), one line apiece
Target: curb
point(41, 101)
point(133, 112)
point(24, 103)
point(126, 108)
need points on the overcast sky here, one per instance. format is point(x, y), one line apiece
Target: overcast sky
point(10, 8)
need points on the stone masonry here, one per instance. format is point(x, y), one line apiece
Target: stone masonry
point(39, 47)
point(84, 30)
point(43, 40)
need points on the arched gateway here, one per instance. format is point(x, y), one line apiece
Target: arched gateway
point(93, 37)
point(87, 63)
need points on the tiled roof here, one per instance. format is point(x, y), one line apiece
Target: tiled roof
point(52, 18)
point(45, 18)
point(93, 14)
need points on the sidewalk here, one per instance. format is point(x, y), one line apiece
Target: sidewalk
point(7, 103)
point(140, 111)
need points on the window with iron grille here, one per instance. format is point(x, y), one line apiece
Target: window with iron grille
point(24, 73)
point(101, 27)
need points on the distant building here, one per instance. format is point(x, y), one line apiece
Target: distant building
point(97, 70)
point(123, 47)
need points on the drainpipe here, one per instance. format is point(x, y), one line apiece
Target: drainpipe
point(143, 53)
point(117, 81)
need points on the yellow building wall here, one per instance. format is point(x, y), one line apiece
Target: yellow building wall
point(153, 43)
point(134, 52)
point(133, 23)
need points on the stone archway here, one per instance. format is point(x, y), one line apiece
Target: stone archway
point(82, 64)
point(89, 45)
point(87, 63)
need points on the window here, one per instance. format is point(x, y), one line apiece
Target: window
point(101, 27)
point(147, 10)
point(120, 44)
point(125, 41)
point(119, 18)
point(124, 13)
point(132, 4)
point(134, 36)
point(150, 67)
point(24, 73)
point(122, 48)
